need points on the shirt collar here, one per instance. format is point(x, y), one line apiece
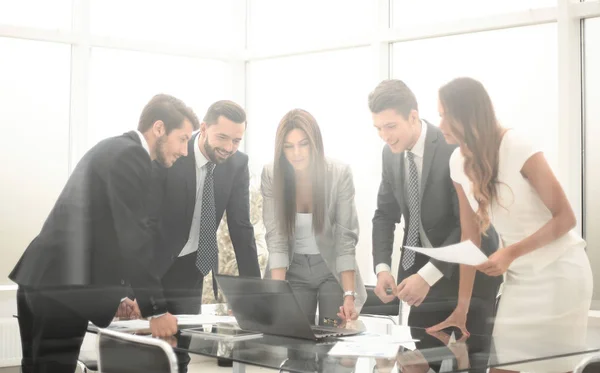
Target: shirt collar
point(198, 156)
point(419, 148)
point(144, 142)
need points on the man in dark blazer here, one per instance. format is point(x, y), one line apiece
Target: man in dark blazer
point(416, 185)
point(195, 192)
point(97, 238)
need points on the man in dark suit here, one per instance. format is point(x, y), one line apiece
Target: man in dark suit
point(96, 239)
point(195, 193)
point(416, 185)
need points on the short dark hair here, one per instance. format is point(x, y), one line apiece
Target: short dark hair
point(226, 108)
point(393, 94)
point(170, 110)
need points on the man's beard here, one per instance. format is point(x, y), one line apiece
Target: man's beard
point(161, 157)
point(212, 153)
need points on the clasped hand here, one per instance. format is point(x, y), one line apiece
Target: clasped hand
point(413, 290)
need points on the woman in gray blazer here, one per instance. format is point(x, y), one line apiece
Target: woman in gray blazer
point(311, 223)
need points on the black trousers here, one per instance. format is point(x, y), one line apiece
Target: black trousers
point(479, 324)
point(182, 288)
point(51, 333)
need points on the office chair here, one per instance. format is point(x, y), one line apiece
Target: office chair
point(590, 364)
point(84, 363)
point(127, 353)
point(374, 307)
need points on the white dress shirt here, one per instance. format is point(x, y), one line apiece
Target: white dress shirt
point(200, 160)
point(430, 273)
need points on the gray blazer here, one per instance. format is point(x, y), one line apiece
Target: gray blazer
point(337, 242)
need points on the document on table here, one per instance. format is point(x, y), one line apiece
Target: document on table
point(204, 319)
point(182, 320)
point(127, 325)
point(463, 253)
point(378, 338)
point(370, 349)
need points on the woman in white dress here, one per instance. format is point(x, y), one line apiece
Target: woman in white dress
point(502, 179)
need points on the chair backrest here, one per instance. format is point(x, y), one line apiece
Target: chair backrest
point(374, 305)
point(589, 364)
point(126, 353)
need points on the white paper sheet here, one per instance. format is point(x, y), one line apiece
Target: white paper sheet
point(203, 319)
point(378, 338)
point(463, 253)
point(370, 349)
point(182, 320)
point(124, 325)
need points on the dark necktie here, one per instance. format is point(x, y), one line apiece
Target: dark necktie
point(207, 255)
point(413, 237)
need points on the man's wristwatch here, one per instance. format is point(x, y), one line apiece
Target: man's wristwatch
point(349, 293)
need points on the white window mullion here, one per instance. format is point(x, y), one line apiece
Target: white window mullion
point(238, 64)
point(540, 16)
point(381, 48)
point(570, 106)
point(587, 9)
point(32, 33)
point(80, 67)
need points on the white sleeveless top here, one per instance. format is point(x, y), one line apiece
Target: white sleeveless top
point(519, 211)
point(305, 241)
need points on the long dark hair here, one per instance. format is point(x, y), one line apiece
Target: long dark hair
point(472, 119)
point(284, 175)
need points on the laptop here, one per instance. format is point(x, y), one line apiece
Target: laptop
point(270, 307)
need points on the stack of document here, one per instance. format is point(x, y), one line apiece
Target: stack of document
point(371, 345)
point(376, 350)
point(367, 337)
point(182, 320)
point(204, 319)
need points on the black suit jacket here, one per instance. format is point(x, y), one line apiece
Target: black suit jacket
point(174, 190)
point(440, 216)
point(98, 236)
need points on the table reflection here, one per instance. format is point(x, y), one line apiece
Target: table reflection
point(444, 351)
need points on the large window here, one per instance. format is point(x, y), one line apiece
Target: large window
point(281, 24)
point(35, 152)
point(199, 23)
point(592, 146)
point(517, 66)
point(333, 87)
point(54, 14)
point(406, 13)
point(122, 82)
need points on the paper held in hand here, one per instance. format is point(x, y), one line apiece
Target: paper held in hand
point(463, 253)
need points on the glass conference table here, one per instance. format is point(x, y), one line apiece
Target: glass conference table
point(440, 351)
